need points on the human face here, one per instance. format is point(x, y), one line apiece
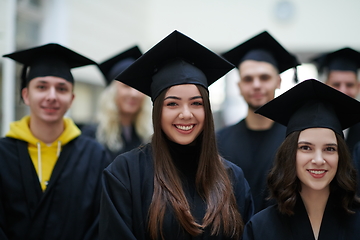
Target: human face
point(258, 82)
point(183, 114)
point(128, 99)
point(48, 98)
point(316, 159)
point(344, 81)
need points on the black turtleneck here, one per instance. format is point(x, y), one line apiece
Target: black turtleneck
point(186, 159)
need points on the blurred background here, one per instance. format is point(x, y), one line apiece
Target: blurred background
point(100, 29)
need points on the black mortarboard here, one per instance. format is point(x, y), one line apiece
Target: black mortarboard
point(263, 47)
point(48, 60)
point(312, 104)
point(115, 65)
point(175, 60)
point(345, 59)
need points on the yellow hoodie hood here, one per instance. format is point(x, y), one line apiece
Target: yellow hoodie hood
point(43, 155)
point(20, 130)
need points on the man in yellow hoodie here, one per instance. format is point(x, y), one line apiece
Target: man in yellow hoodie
point(49, 173)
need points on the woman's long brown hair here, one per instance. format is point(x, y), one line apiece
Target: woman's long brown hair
point(212, 182)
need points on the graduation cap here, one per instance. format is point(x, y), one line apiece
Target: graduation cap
point(312, 104)
point(263, 47)
point(48, 60)
point(175, 60)
point(345, 59)
point(118, 63)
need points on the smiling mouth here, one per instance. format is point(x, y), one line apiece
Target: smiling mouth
point(185, 128)
point(51, 109)
point(317, 172)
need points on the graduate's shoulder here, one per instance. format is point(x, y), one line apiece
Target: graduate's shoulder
point(268, 213)
point(230, 130)
point(10, 150)
point(135, 159)
point(89, 130)
point(267, 218)
point(233, 168)
point(88, 142)
point(8, 144)
point(88, 150)
point(279, 127)
point(8, 141)
point(269, 223)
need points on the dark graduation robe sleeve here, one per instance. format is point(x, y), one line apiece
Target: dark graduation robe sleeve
point(127, 192)
point(270, 224)
point(2, 219)
point(68, 208)
point(113, 189)
point(242, 191)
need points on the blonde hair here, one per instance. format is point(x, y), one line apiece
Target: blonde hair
point(109, 128)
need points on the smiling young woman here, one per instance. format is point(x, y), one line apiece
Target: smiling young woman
point(313, 180)
point(177, 186)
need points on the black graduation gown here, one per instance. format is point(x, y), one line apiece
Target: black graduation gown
point(67, 209)
point(353, 136)
point(127, 193)
point(356, 161)
point(90, 131)
point(270, 224)
point(234, 144)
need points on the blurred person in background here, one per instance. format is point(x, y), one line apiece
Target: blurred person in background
point(124, 113)
point(339, 69)
point(49, 173)
point(251, 144)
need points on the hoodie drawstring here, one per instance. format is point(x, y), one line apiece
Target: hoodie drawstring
point(58, 149)
point(39, 161)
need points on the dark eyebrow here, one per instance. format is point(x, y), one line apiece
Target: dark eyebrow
point(196, 97)
point(331, 144)
point(172, 97)
point(177, 98)
point(46, 82)
point(42, 81)
point(328, 144)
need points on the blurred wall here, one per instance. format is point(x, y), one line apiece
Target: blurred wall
point(100, 29)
